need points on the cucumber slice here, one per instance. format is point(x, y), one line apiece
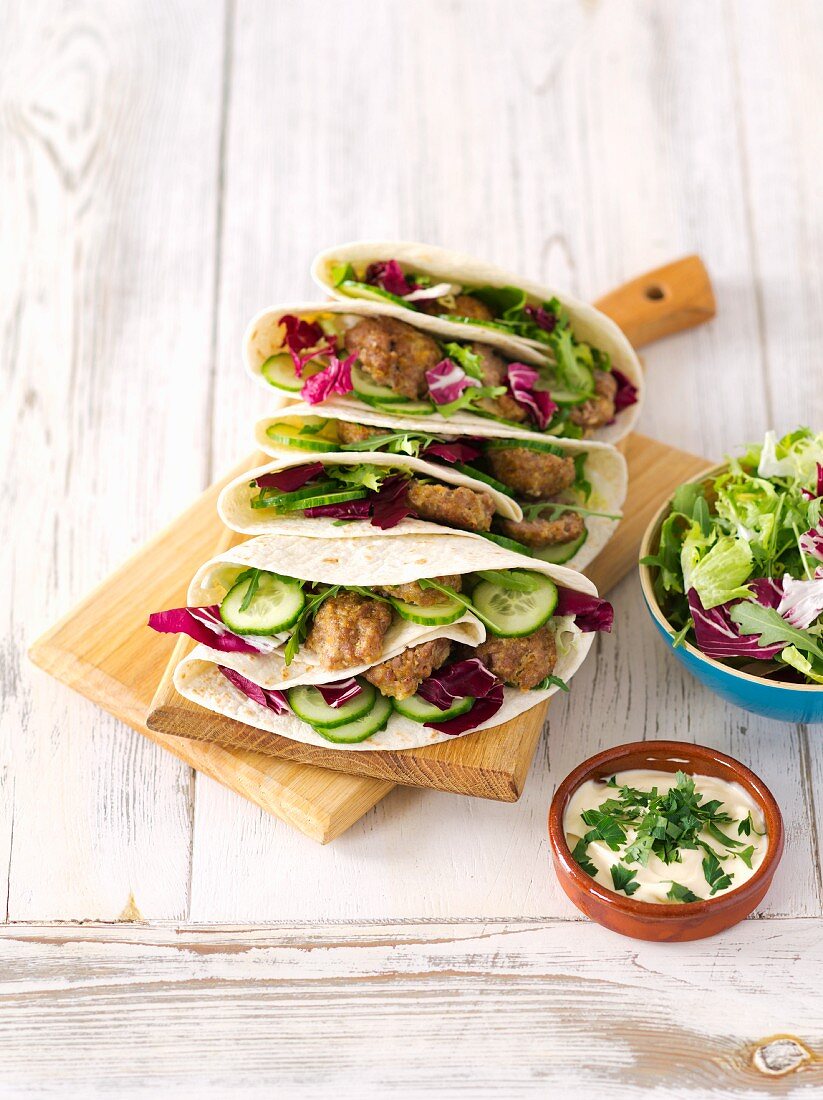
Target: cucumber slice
point(321, 498)
point(405, 408)
point(275, 605)
point(278, 370)
point(421, 710)
point(355, 289)
point(292, 436)
point(361, 728)
point(540, 445)
point(308, 704)
point(507, 543)
point(563, 396)
point(271, 498)
point(487, 479)
point(369, 391)
point(439, 614)
point(562, 551)
point(511, 614)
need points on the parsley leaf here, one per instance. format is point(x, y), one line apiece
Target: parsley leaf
point(605, 828)
point(713, 873)
point(622, 879)
point(681, 893)
point(746, 855)
point(579, 854)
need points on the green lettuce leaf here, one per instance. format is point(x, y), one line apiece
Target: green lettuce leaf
point(719, 575)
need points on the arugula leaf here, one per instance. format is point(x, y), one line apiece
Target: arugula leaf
point(402, 442)
point(551, 681)
point(579, 854)
point(681, 893)
point(301, 627)
point(622, 879)
point(514, 580)
point(467, 398)
point(753, 618)
point(251, 591)
point(581, 482)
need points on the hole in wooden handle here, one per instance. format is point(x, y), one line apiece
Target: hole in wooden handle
point(655, 292)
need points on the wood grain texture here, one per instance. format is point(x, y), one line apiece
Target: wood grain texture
point(492, 1009)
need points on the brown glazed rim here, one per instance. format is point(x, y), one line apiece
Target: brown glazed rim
point(662, 755)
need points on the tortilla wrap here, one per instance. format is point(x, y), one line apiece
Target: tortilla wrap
point(444, 265)
point(606, 470)
point(264, 337)
point(366, 562)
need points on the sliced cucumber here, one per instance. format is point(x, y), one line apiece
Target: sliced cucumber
point(275, 605)
point(439, 614)
point(421, 710)
point(361, 728)
point(308, 704)
point(278, 370)
point(540, 445)
point(288, 502)
point(563, 396)
point(512, 614)
point(405, 408)
point(562, 551)
point(294, 436)
point(487, 479)
point(507, 543)
point(369, 391)
point(321, 498)
point(355, 289)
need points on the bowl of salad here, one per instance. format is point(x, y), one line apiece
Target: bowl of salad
point(732, 574)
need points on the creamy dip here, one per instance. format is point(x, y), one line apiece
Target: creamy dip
point(617, 846)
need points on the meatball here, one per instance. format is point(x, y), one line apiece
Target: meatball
point(466, 305)
point(394, 354)
point(456, 507)
point(493, 367)
point(521, 662)
point(348, 630)
point(423, 597)
point(598, 410)
point(534, 474)
point(545, 532)
point(402, 675)
point(356, 433)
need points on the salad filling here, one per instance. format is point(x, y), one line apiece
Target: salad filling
point(739, 565)
point(447, 685)
point(403, 370)
point(549, 485)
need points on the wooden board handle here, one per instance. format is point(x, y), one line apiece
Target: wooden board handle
point(664, 301)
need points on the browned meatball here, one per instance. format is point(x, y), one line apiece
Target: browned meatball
point(423, 597)
point(533, 474)
point(456, 507)
point(494, 367)
point(598, 410)
point(465, 305)
point(356, 433)
point(402, 675)
point(348, 630)
point(545, 532)
point(521, 662)
point(394, 354)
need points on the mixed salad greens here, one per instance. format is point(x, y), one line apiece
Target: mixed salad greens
point(740, 561)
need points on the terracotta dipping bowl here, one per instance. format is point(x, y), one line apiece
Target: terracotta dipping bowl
point(645, 920)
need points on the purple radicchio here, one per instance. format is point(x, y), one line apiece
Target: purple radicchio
point(482, 710)
point(446, 381)
point(336, 378)
point(802, 600)
point(388, 275)
point(335, 695)
point(385, 508)
point(205, 626)
point(455, 681)
point(539, 403)
point(626, 392)
point(811, 543)
point(295, 477)
point(541, 317)
point(454, 450)
point(590, 613)
point(718, 636)
point(266, 697)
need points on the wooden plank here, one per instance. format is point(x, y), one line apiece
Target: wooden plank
point(106, 238)
point(495, 1009)
point(489, 764)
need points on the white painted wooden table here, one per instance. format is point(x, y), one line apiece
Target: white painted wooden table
point(166, 168)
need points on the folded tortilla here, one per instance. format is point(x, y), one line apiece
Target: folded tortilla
point(366, 562)
point(606, 470)
point(264, 338)
point(444, 265)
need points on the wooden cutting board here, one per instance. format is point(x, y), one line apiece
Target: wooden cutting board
point(120, 666)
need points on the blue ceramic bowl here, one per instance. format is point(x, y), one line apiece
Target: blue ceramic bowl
point(782, 702)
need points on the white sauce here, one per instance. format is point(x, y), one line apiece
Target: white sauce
point(656, 877)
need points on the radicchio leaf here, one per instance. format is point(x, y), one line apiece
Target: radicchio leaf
point(626, 392)
point(295, 477)
point(349, 509)
point(802, 600)
point(266, 697)
point(812, 542)
point(447, 381)
point(541, 317)
point(590, 612)
point(717, 636)
point(481, 711)
point(335, 695)
point(454, 450)
point(388, 274)
point(455, 681)
point(766, 591)
point(205, 626)
point(336, 378)
point(390, 504)
point(300, 334)
point(539, 403)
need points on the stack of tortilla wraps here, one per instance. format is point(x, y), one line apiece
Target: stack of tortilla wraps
point(441, 436)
